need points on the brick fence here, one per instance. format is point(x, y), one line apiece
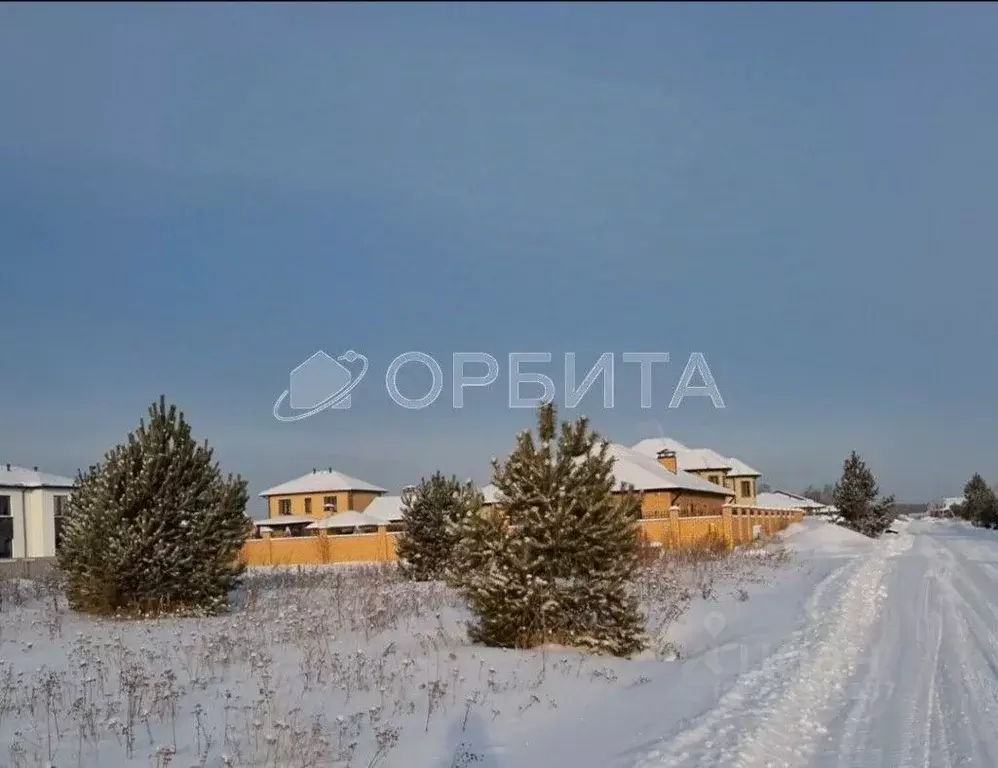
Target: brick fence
point(28, 568)
point(736, 525)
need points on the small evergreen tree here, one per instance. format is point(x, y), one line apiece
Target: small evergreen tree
point(553, 561)
point(856, 496)
point(428, 512)
point(980, 504)
point(155, 526)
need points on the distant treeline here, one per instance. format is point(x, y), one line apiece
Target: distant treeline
point(826, 495)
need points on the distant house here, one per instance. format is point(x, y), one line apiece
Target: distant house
point(293, 506)
point(944, 507)
point(706, 464)
point(788, 500)
point(659, 483)
point(31, 509)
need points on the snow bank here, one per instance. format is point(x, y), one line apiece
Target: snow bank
point(820, 537)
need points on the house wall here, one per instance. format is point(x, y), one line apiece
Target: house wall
point(34, 516)
point(741, 498)
point(33, 513)
point(716, 476)
point(356, 500)
point(658, 504)
point(697, 504)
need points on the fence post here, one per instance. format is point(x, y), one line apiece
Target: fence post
point(383, 542)
point(674, 538)
point(268, 538)
point(727, 527)
point(325, 546)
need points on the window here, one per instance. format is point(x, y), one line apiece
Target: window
point(746, 487)
point(715, 479)
point(308, 505)
point(6, 529)
point(59, 505)
point(329, 504)
point(284, 506)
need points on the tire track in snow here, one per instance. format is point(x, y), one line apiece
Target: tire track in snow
point(857, 722)
point(775, 714)
point(971, 663)
point(790, 736)
point(932, 706)
point(920, 701)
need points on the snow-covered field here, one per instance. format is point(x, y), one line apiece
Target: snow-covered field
point(852, 653)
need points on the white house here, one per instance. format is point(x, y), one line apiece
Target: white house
point(944, 507)
point(31, 506)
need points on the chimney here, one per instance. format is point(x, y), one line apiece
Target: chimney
point(667, 459)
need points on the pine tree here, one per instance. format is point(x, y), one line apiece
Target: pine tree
point(553, 562)
point(155, 526)
point(428, 512)
point(856, 496)
point(980, 504)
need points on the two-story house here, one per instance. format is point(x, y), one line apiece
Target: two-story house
point(661, 487)
point(321, 494)
point(31, 509)
point(733, 474)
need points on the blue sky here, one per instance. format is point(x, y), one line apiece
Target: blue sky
point(195, 198)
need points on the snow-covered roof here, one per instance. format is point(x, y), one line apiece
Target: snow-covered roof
point(646, 474)
point(651, 446)
point(804, 500)
point(387, 509)
point(643, 473)
point(700, 459)
point(694, 459)
point(490, 493)
point(785, 500)
point(740, 469)
point(283, 520)
point(19, 477)
point(351, 518)
point(322, 481)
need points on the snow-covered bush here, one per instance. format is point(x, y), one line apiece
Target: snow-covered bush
point(429, 511)
point(154, 527)
point(554, 563)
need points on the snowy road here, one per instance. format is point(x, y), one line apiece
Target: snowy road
point(895, 665)
point(876, 655)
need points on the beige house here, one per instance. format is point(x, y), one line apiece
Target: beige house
point(31, 508)
point(321, 494)
point(733, 474)
point(661, 486)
